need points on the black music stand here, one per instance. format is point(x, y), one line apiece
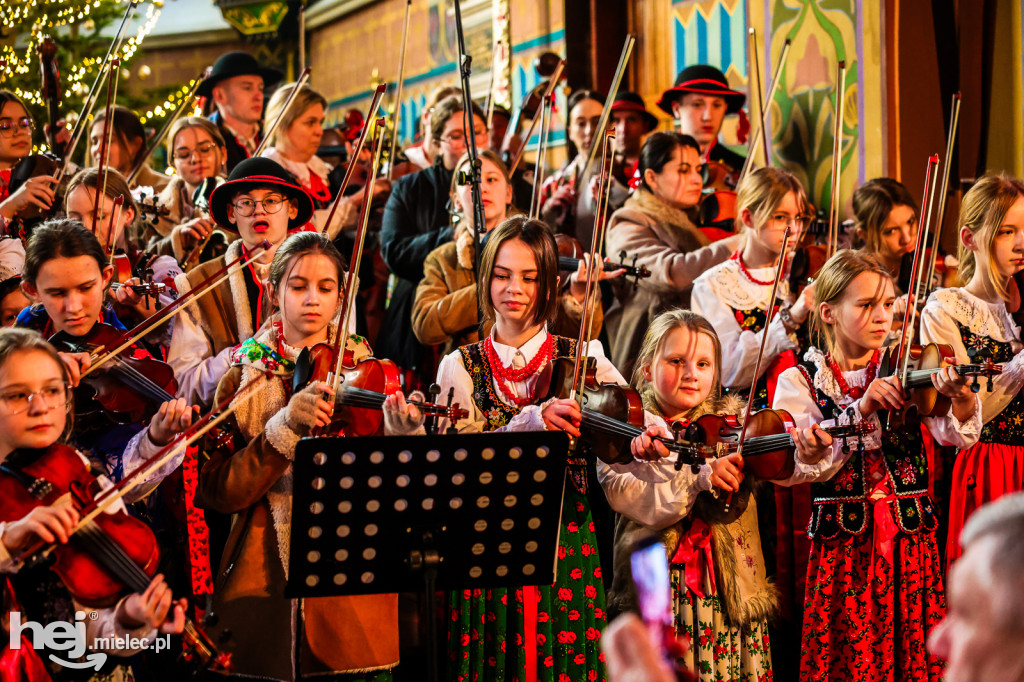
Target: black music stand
point(372, 515)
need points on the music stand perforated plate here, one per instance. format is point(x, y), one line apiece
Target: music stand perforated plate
point(491, 504)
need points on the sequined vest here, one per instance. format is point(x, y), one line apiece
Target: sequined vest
point(1007, 427)
point(841, 504)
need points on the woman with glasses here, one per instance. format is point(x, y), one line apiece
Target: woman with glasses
point(653, 226)
point(197, 152)
point(416, 221)
point(127, 147)
point(16, 128)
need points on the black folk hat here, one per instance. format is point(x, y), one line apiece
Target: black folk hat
point(705, 80)
point(260, 172)
point(630, 101)
point(237, 64)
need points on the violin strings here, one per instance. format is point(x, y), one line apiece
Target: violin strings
point(141, 382)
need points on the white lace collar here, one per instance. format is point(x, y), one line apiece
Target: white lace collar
point(991, 320)
point(825, 380)
point(737, 291)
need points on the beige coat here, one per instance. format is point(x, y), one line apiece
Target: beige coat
point(674, 250)
point(337, 634)
point(444, 310)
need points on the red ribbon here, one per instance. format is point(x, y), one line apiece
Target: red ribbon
point(23, 663)
point(198, 532)
point(884, 528)
point(530, 631)
point(693, 554)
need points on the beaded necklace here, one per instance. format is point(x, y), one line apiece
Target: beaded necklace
point(746, 273)
point(507, 375)
point(857, 391)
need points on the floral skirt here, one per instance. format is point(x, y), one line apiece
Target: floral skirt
point(718, 651)
point(486, 631)
point(981, 474)
point(869, 625)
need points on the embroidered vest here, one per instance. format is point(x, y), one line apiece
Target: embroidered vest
point(841, 504)
point(1007, 427)
point(753, 321)
point(497, 412)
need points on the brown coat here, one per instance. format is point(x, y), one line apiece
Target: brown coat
point(444, 310)
point(674, 250)
point(338, 634)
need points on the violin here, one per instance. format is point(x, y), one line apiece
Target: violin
point(922, 363)
point(109, 555)
point(50, 72)
point(570, 253)
point(1014, 287)
point(129, 390)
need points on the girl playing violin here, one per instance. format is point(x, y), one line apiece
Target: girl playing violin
point(444, 311)
point(503, 382)
point(677, 373)
point(653, 225)
point(16, 128)
point(974, 320)
point(35, 401)
point(874, 578)
point(354, 636)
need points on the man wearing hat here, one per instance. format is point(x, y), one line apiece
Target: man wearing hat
point(236, 86)
point(631, 122)
point(699, 101)
point(260, 201)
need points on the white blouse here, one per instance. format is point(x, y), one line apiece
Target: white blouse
point(947, 307)
point(717, 294)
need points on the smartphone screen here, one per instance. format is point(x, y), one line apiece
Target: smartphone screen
point(651, 578)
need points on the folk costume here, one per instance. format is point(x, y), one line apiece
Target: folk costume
point(978, 331)
point(665, 241)
point(500, 386)
point(874, 578)
point(356, 635)
point(721, 597)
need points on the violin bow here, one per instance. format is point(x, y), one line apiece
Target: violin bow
point(837, 165)
point(600, 221)
point(542, 148)
point(916, 271)
point(378, 95)
point(755, 63)
point(613, 91)
point(489, 105)
point(393, 154)
point(954, 119)
point(548, 93)
point(159, 137)
point(94, 91)
point(755, 139)
point(303, 77)
point(769, 314)
point(349, 302)
point(115, 217)
point(172, 309)
point(108, 134)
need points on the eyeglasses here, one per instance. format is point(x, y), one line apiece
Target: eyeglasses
point(459, 137)
point(16, 402)
point(202, 149)
point(10, 128)
point(246, 207)
point(781, 221)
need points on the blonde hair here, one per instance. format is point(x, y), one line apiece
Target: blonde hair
point(488, 154)
point(833, 279)
point(18, 340)
point(763, 190)
point(659, 329)
point(306, 98)
point(208, 126)
point(982, 211)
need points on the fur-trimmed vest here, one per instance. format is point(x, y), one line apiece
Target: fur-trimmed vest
point(740, 576)
point(842, 504)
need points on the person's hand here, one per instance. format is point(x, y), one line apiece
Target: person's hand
point(400, 416)
point(727, 472)
point(563, 415)
point(49, 524)
point(308, 409)
point(36, 191)
point(152, 607)
point(883, 394)
point(633, 652)
point(646, 447)
point(63, 134)
point(812, 444)
point(950, 384)
point(75, 363)
point(578, 280)
point(173, 417)
point(803, 305)
point(127, 296)
point(560, 203)
point(194, 231)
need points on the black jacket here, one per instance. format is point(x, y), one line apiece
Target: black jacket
point(416, 221)
point(236, 150)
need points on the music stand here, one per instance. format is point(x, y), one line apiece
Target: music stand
point(372, 514)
